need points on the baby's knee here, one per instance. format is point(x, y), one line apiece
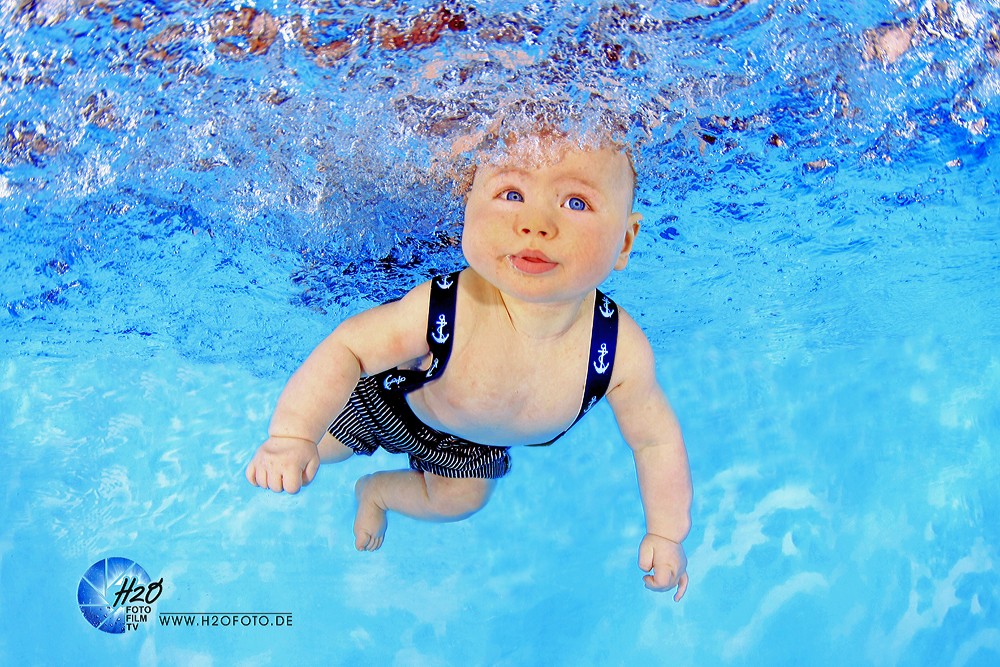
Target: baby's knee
point(458, 498)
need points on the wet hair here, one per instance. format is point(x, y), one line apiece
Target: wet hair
point(540, 126)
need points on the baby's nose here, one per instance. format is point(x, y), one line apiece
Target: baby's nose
point(540, 224)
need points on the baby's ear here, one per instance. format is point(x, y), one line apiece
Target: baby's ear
point(631, 229)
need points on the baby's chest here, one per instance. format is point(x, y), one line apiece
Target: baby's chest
point(541, 389)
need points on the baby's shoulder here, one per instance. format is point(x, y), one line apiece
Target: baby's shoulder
point(399, 316)
point(414, 301)
point(633, 354)
point(630, 333)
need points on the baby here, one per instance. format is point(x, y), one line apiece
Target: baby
point(511, 351)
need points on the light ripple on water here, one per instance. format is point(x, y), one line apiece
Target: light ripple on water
point(96, 496)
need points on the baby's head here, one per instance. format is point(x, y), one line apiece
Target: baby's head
point(548, 218)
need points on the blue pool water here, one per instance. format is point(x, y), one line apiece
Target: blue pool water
point(193, 194)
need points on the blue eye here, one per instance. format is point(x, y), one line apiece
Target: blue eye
point(576, 204)
point(513, 195)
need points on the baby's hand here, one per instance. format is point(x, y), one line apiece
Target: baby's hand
point(283, 464)
point(668, 563)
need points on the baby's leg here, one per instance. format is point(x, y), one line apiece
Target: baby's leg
point(424, 496)
point(332, 450)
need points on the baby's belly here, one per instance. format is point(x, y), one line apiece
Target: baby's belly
point(497, 421)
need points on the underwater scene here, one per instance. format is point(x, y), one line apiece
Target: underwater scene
point(193, 194)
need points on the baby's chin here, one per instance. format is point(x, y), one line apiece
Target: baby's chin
point(550, 287)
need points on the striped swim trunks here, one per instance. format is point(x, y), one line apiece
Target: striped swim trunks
point(375, 418)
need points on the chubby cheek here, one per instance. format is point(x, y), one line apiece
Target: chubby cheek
point(602, 254)
point(476, 245)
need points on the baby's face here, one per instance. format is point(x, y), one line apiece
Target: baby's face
point(551, 232)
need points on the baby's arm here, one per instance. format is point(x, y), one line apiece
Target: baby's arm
point(650, 428)
point(368, 343)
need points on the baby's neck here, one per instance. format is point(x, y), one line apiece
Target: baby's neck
point(543, 320)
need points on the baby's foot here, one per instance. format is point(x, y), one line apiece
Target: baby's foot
point(369, 522)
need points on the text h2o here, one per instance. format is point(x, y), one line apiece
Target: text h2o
point(132, 587)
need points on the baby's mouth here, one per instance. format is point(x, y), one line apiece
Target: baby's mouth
point(532, 261)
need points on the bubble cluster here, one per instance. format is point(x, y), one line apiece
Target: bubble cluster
point(349, 127)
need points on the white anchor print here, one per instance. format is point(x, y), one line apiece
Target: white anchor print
point(599, 365)
point(606, 308)
point(440, 336)
point(434, 365)
point(590, 404)
point(389, 381)
point(444, 282)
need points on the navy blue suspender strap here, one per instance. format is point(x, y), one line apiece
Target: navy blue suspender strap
point(440, 336)
point(603, 342)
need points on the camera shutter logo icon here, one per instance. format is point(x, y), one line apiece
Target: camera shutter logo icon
point(109, 587)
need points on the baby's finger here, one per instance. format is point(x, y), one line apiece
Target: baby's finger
point(310, 472)
point(682, 586)
point(662, 579)
point(292, 483)
point(645, 558)
point(251, 473)
point(274, 481)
